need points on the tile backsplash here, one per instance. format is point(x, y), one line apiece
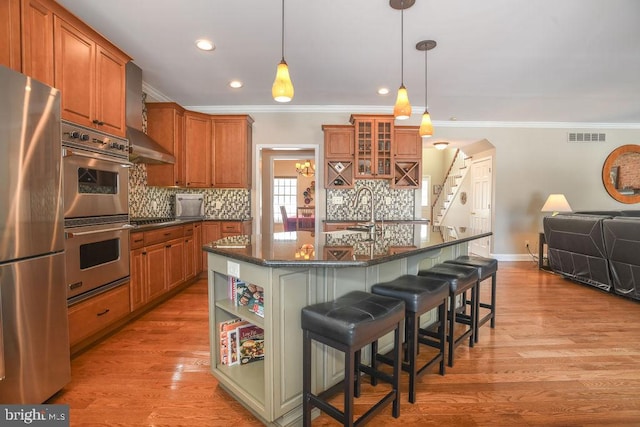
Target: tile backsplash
point(401, 206)
point(146, 201)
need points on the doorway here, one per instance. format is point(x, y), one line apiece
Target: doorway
point(282, 185)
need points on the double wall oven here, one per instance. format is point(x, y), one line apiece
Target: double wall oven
point(95, 170)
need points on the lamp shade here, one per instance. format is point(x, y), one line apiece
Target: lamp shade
point(282, 89)
point(556, 203)
point(426, 127)
point(402, 109)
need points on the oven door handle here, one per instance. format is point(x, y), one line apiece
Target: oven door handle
point(67, 152)
point(72, 234)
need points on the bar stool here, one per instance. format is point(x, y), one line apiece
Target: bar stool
point(461, 279)
point(487, 267)
point(348, 324)
point(420, 294)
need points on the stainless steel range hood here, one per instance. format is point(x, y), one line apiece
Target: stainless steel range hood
point(143, 148)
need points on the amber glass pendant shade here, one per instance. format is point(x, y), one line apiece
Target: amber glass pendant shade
point(402, 109)
point(282, 89)
point(426, 127)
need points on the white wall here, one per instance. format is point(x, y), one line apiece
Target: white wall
point(531, 163)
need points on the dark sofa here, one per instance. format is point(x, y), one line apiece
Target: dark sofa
point(598, 248)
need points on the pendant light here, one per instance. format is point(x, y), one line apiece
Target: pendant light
point(426, 127)
point(402, 109)
point(282, 89)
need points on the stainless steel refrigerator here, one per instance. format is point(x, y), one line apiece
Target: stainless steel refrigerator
point(34, 333)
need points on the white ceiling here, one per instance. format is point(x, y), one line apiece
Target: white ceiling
point(575, 61)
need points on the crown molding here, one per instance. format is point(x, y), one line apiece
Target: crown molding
point(380, 109)
point(154, 95)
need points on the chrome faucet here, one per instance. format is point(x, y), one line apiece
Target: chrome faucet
point(371, 223)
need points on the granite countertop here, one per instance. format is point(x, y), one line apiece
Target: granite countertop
point(343, 248)
point(170, 222)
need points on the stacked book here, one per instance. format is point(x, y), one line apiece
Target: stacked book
point(240, 342)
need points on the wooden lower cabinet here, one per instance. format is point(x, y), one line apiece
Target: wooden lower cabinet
point(156, 265)
point(174, 251)
point(161, 260)
point(88, 317)
point(210, 233)
point(216, 230)
point(197, 251)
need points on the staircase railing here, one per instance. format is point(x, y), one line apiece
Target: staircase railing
point(449, 188)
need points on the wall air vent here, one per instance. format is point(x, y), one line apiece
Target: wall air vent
point(587, 137)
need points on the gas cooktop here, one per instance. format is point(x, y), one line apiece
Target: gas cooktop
point(152, 220)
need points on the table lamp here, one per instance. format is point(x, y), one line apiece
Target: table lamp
point(556, 203)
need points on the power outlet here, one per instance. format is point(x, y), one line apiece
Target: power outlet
point(387, 200)
point(337, 200)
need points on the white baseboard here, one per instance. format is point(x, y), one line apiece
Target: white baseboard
point(513, 257)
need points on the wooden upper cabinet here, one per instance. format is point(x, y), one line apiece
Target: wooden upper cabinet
point(407, 160)
point(110, 92)
point(198, 149)
point(407, 142)
point(165, 124)
point(373, 145)
point(37, 41)
point(75, 57)
point(10, 55)
point(91, 78)
point(339, 156)
point(338, 142)
point(232, 151)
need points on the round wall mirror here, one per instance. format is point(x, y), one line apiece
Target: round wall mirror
point(621, 174)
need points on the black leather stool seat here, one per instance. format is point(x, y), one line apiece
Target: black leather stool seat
point(420, 294)
point(348, 324)
point(487, 268)
point(461, 279)
point(354, 319)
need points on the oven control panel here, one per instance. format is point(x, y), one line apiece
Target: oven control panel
point(77, 136)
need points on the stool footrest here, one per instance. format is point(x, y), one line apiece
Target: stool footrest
point(320, 401)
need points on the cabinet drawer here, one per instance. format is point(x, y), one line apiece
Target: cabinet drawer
point(90, 316)
point(162, 235)
point(188, 230)
point(136, 240)
point(337, 226)
point(231, 227)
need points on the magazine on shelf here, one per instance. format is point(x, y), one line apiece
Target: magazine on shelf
point(250, 295)
point(224, 328)
point(250, 343)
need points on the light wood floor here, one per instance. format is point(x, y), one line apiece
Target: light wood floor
point(562, 354)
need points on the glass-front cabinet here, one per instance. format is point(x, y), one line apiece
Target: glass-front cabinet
point(374, 136)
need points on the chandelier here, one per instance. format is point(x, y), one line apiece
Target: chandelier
point(306, 169)
point(306, 251)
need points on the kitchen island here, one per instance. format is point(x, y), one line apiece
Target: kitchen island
point(296, 269)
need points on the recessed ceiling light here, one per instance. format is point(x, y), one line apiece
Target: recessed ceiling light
point(383, 91)
point(235, 84)
point(205, 44)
